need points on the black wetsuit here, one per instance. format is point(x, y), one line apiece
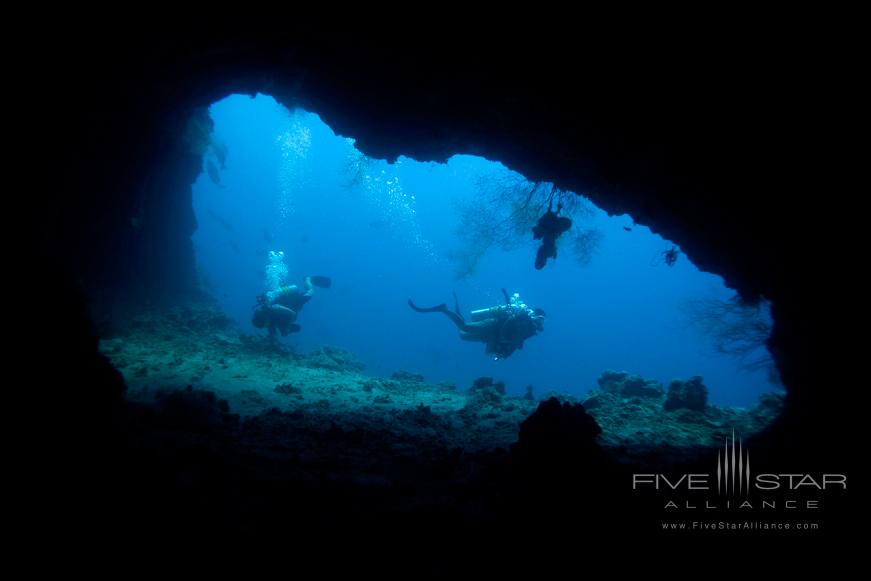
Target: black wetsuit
point(549, 228)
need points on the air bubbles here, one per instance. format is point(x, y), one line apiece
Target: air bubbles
point(383, 190)
point(294, 144)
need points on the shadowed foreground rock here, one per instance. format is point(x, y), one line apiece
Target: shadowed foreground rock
point(556, 428)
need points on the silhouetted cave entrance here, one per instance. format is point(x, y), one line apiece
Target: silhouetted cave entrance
point(622, 320)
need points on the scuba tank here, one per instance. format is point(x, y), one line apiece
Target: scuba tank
point(513, 305)
point(487, 313)
point(274, 295)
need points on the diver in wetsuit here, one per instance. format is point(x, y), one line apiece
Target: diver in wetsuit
point(550, 227)
point(502, 328)
point(670, 256)
point(279, 309)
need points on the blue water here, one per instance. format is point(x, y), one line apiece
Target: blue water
point(386, 238)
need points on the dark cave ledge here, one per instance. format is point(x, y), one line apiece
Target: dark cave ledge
point(711, 150)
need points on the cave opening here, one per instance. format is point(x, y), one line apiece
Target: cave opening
point(735, 154)
point(657, 350)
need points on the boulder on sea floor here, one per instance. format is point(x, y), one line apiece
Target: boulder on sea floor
point(629, 385)
point(488, 382)
point(690, 394)
point(485, 392)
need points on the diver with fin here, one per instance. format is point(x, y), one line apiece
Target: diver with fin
point(278, 310)
point(550, 227)
point(502, 328)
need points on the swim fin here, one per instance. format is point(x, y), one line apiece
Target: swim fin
point(442, 308)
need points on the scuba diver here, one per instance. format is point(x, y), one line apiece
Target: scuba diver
point(670, 256)
point(550, 227)
point(502, 328)
point(278, 310)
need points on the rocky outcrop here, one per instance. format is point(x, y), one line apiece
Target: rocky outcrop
point(627, 385)
point(691, 394)
point(681, 419)
point(484, 383)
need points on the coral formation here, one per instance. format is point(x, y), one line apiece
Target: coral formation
point(690, 394)
point(484, 383)
point(626, 385)
point(633, 411)
point(508, 208)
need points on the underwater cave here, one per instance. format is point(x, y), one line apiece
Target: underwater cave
point(624, 333)
point(675, 307)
